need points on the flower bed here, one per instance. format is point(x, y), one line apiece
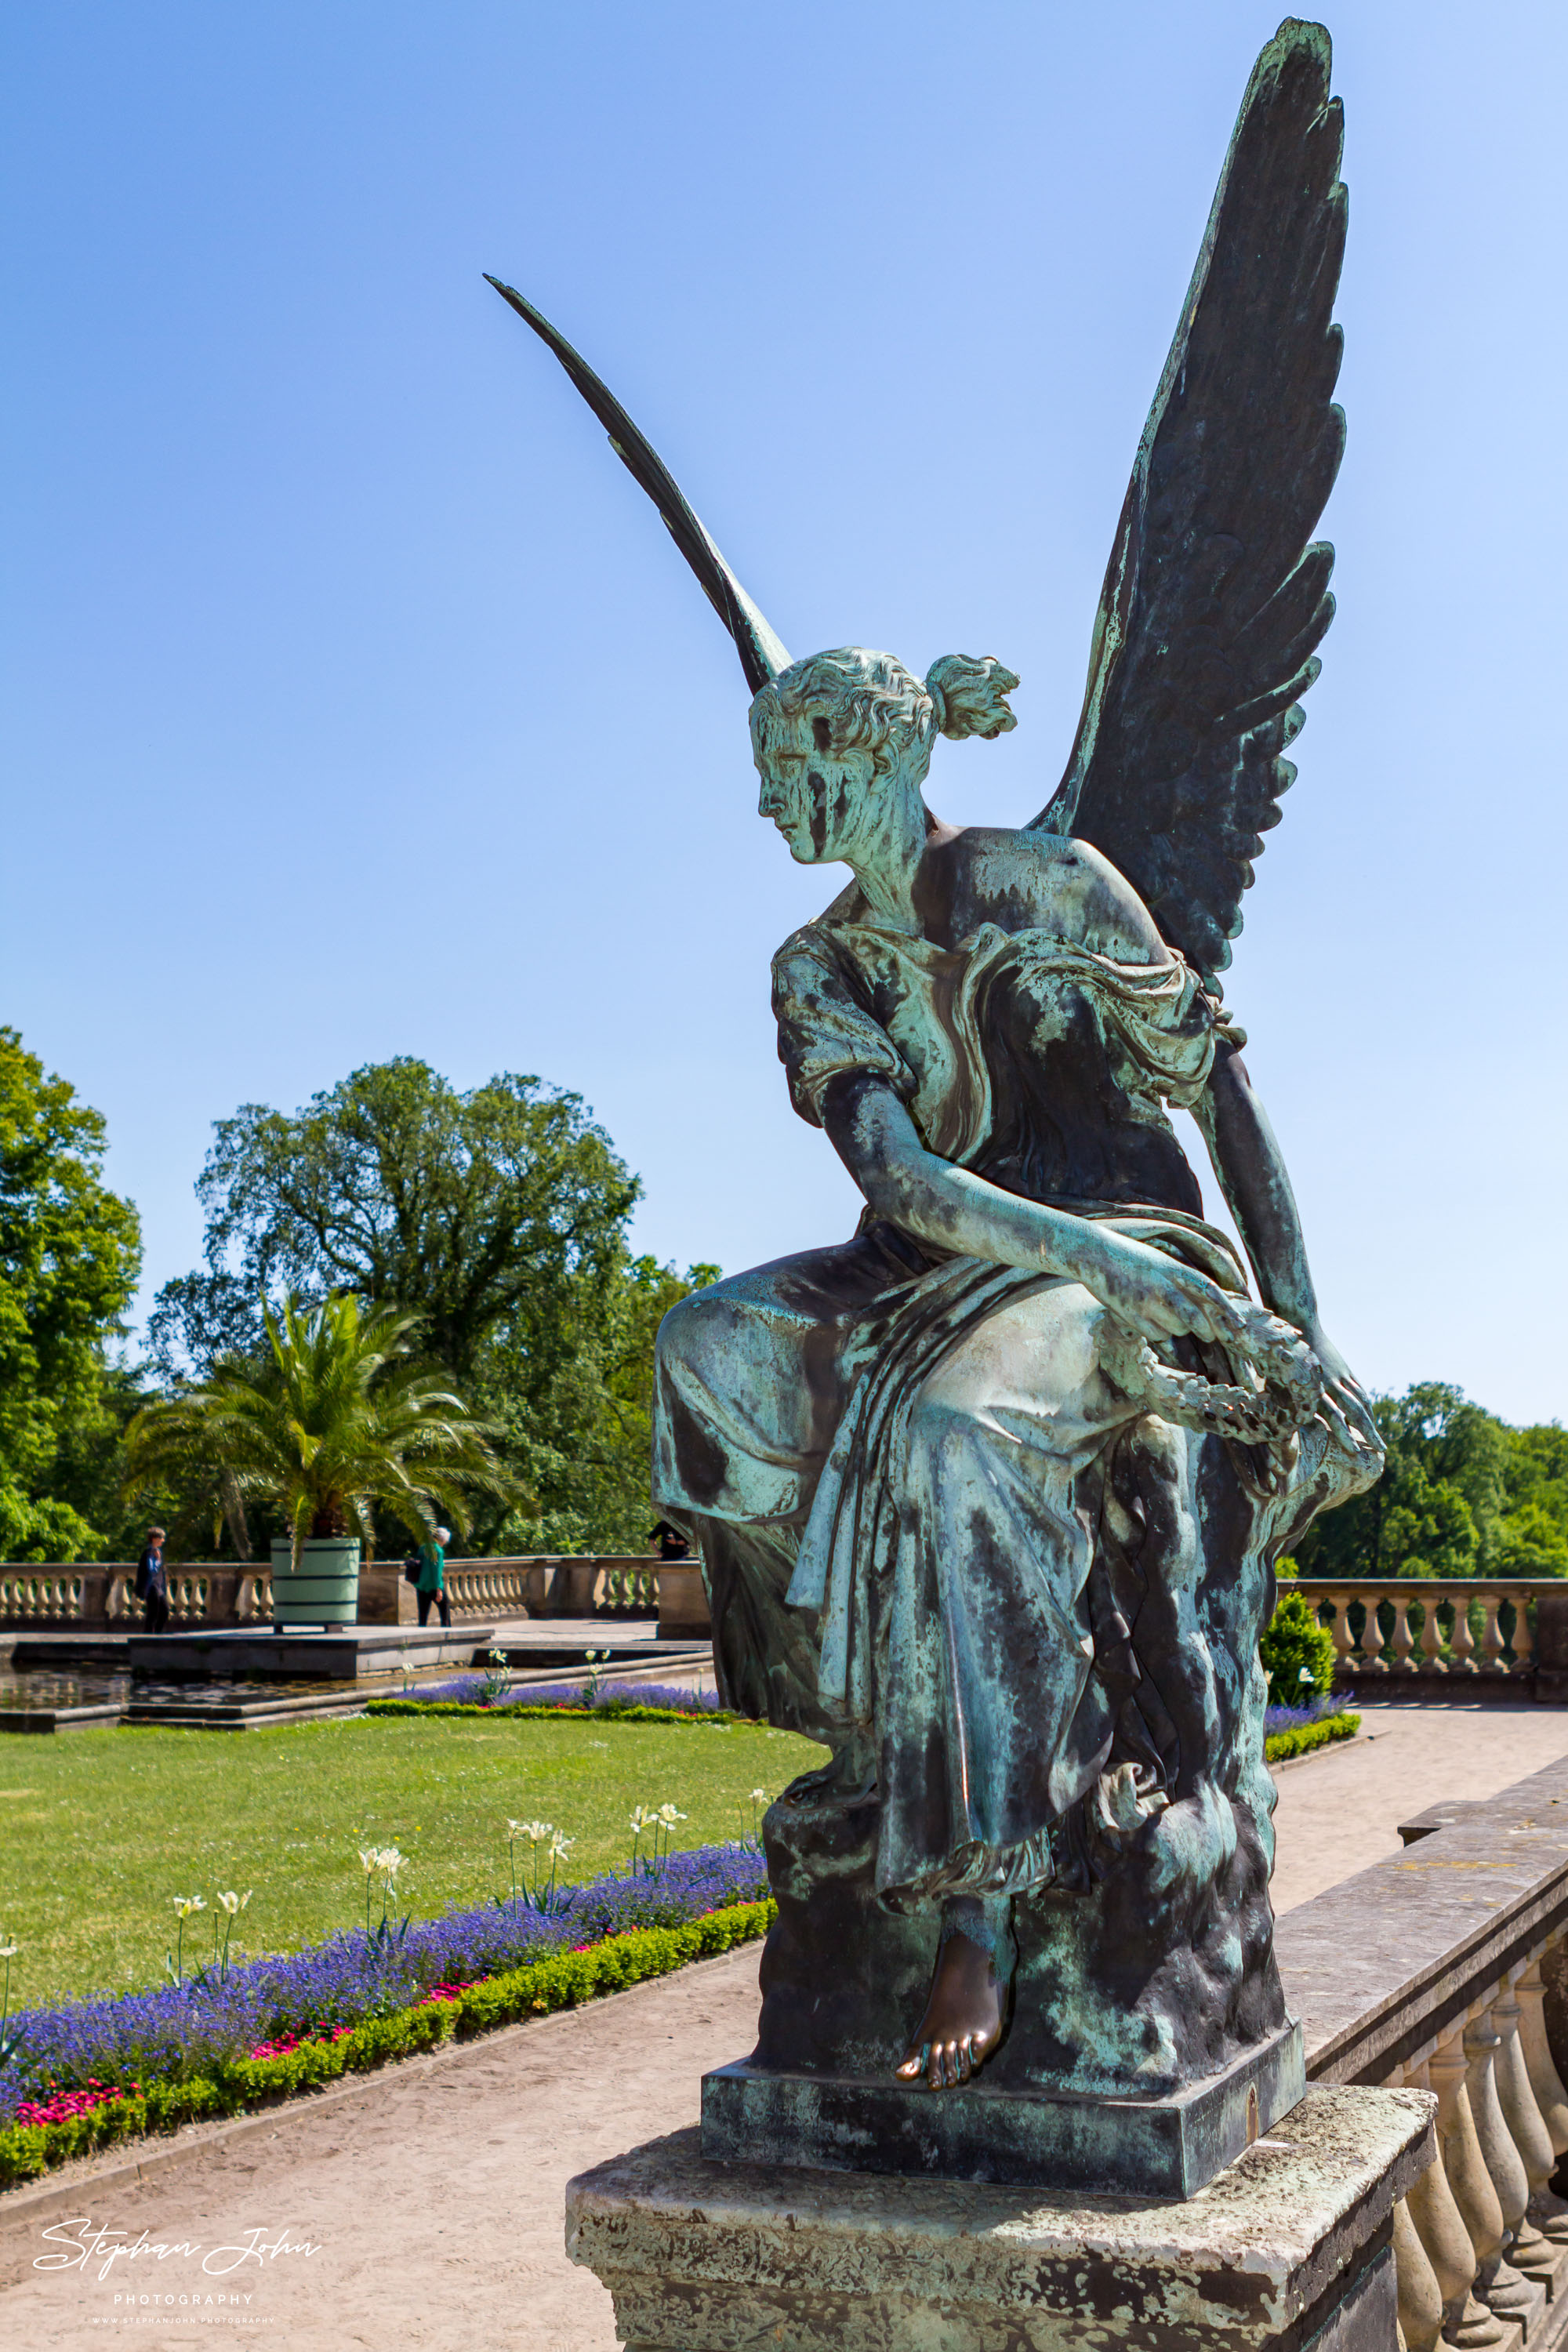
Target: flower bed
point(616, 1702)
point(233, 2087)
point(145, 2062)
point(1288, 1730)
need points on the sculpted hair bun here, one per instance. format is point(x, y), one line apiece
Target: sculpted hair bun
point(970, 697)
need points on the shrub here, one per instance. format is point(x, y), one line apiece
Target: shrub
point(1281, 1745)
point(1297, 1653)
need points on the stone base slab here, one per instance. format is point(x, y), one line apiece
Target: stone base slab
point(1166, 2147)
point(1289, 2248)
point(259, 1656)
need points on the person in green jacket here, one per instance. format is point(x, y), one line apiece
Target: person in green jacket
point(432, 1582)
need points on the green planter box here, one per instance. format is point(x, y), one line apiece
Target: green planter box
point(326, 1589)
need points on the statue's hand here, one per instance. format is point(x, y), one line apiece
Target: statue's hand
point(1157, 1297)
point(1345, 1406)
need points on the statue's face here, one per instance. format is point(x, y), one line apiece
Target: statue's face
point(819, 803)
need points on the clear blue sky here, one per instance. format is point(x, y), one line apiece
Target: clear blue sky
point(355, 702)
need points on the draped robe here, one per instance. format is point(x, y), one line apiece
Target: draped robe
point(933, 1510)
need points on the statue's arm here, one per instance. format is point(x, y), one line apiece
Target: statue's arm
point(953, 1209)
point(1252, 1175)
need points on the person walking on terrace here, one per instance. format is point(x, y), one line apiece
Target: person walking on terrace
point(432, 1583)
point(152, 1583)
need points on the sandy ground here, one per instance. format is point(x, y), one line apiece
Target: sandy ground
point(432, 2196)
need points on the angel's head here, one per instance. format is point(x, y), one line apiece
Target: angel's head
point(838, 737)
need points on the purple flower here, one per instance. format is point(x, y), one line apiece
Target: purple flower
point(203, 2026)
point(468, 1690)
point(1291, 1718)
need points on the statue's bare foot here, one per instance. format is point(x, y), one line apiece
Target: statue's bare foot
point(963, 2017)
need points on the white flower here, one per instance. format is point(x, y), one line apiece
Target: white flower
point(9, 1951)
point(536, 1833)
point(389, 1861)
point(759, 1796)
point(185, 1904)
point(669, 1816)
point(560, 1847)
point(642, 1819)
point(370, 1857)
point(234, 1904)
point(496, 1657)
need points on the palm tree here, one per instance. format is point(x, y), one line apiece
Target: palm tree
point(339, 1420)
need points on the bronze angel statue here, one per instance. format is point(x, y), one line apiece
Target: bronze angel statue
point(988, 1495)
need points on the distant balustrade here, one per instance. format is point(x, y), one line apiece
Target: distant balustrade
point(1465, 1629)
point(102, 1597)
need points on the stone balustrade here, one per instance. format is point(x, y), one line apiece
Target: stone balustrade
point(103, 1599)
point(608, 1585)
point(1512, 1628)
point(584, 1584)
point(1445, 1970)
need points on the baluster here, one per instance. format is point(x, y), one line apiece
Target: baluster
point(1541, 2258)
point(1516, 1639)
point(1403, 1639)
point(1340, 1628)
point(1373, 1660)
point(1466, 2166)
point(1463, 1645)
point(1549, 2212)
point(1475, 2200)
point(1508, 2290)
point(1440, 2227)
point(1492, 1643)
point(1431, 1641)
point(1420, 2297)
point(1523, 1633)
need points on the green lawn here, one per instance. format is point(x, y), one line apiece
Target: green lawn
point(99, 1829)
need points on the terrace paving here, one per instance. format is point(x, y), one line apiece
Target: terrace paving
point(434, 2191)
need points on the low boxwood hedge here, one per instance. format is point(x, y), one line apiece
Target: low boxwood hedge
point(1305, 1737)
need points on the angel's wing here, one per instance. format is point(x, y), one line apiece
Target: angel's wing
point(762, 656)
point(1213, 600)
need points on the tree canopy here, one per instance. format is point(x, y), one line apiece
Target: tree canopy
point(70, 1251)
point(1463, 1495)
point(496, 1218)
point(483, 1213)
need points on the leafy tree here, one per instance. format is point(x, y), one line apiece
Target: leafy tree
point(492, 1216)
point(1534, 1536)
point(69, 1257)
point(496, 1218)
point(583, 1441)
point(1462, 1495)
point(336, 1422)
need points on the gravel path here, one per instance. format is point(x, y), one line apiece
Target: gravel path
point(433, 2193)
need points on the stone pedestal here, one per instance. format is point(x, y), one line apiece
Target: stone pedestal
point(1166, 2147)
point(1287, 2249)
